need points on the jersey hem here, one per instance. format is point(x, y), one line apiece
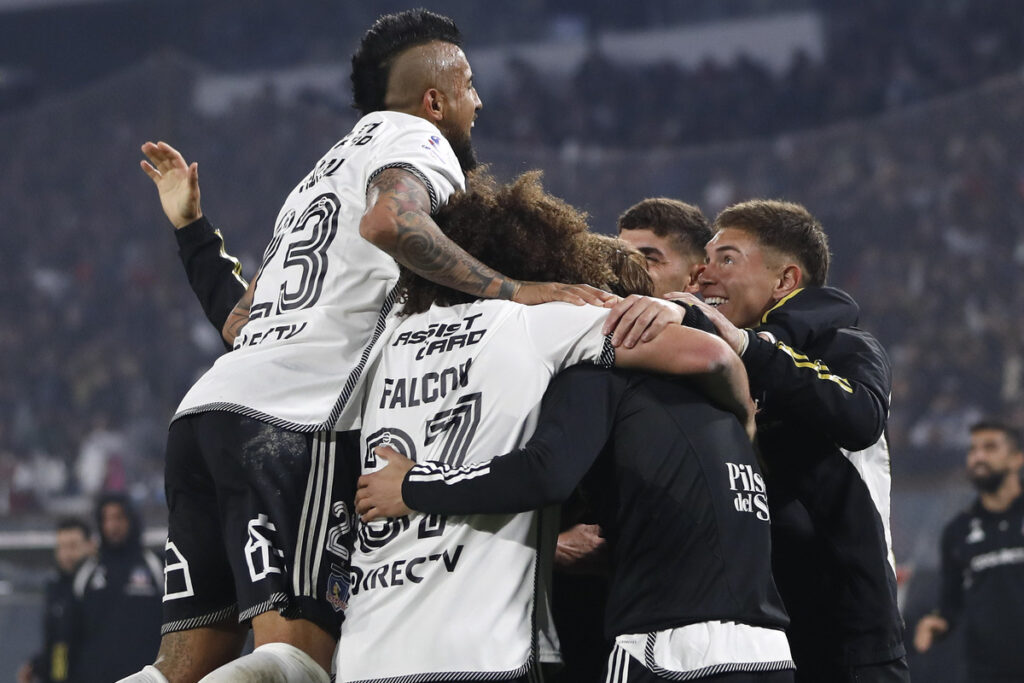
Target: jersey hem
point(199, 622)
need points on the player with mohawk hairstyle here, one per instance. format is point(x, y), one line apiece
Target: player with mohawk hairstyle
point(259, 480)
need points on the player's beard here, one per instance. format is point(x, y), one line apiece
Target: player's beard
point(986, 480)
point(462, 145)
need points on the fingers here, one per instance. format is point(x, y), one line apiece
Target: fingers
point(593, 295)
point(153, 174)
point(631, 318)
point(615, 315)
point(163, 156)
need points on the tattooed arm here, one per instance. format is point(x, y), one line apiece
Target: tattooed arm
point(397, 221)
point(239, 315)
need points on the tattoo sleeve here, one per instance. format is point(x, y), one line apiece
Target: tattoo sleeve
point(420, 245)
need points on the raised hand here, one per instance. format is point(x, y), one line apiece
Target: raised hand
point(175, 180)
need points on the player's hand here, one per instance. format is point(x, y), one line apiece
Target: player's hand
point(175, 180)
point(732, 335)
point(640, 318)
point(531, 293)
point(582, 550)
point(928, 629)
point(380, 494)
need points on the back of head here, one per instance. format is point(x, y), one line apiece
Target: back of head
point(683, 223)
point(785, 227)
point(626, 266)
point(519, 230)
point(389, 36)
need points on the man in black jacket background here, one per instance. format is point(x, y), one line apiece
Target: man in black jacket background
point(822, 387)
point(118, 592)
point(73, 545)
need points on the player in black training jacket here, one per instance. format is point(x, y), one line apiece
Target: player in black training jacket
point(822, 387)
point(983, 561)
point(680, 498)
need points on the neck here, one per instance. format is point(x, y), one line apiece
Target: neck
point(1002, 498)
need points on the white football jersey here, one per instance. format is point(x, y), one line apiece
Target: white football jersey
point(324, 293)
point(459, 594)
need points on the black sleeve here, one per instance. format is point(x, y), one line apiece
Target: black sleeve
point(951, 598)
point(215, 276)
point(576, 419)
point(695, 318)
point(844, 395)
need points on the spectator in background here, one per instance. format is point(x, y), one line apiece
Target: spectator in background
point(73, 544)
point(983, 562)
point(671, 235)
point(117, 610)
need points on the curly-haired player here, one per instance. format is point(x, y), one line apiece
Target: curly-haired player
point(256, 477)
point(464, 597)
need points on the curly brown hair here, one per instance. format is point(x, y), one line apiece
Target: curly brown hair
point(522, 231)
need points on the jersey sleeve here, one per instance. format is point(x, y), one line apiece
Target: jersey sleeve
point(846, 395)
point(565, 334)
point(576, 420)
point(424, 152)
point(214, 275)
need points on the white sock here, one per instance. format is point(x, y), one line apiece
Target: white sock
point(270, 663)
point(149, 674)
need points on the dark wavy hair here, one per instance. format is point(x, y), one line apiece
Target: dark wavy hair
point(684, 224)
point(786, 227)
point(389, 36)
point(527, 234)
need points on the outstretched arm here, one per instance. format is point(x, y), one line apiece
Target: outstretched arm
point(215, 275)
point(575, 421)
point(398, 221)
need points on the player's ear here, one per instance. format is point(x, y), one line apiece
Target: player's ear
point(790, 279)
point(433, 104)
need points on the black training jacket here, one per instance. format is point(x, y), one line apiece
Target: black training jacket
point(822, 387)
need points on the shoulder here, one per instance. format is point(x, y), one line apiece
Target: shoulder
point(959, 524)
point(807, 314)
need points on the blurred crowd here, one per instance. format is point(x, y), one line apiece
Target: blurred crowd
point(878, 56)
point(923, 204)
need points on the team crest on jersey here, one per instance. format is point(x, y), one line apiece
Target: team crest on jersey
point(338, 588)
point(389, 436)
point(140, 582)
point(976, 534)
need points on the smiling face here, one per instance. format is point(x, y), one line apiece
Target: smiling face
point(434, 81)
point(671, 268)
point(743, 279)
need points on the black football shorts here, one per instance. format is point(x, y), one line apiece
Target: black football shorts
point(260, 520)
